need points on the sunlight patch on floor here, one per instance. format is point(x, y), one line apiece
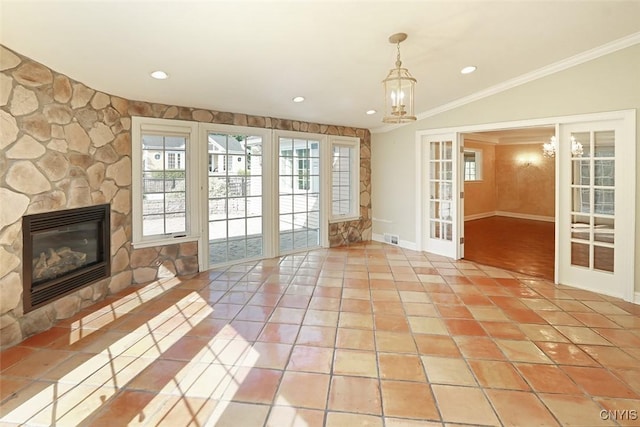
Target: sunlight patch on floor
point(214, 372)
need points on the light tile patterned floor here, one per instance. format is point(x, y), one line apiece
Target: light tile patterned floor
point(367, 335)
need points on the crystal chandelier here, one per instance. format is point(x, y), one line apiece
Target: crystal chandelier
point(549, 148)
point(399, 87)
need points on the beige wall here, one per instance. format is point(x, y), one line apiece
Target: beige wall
point(480, 196)
point(516, 179)
point(525, 180)
point(607, 83)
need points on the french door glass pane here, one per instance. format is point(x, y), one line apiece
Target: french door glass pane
point(235, 197)
point(603, 258)
point(604, 144)
point(603, 230)
point(593, 200)
point(580, 254)
point(584, 139)
point(440, 183)
point(299, 198)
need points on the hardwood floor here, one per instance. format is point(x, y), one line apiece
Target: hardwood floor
point(519, 245)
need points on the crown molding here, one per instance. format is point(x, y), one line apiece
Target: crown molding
point(556, 67)
point(480, 137)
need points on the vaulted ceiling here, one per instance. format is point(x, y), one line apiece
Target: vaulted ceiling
point(254, 56)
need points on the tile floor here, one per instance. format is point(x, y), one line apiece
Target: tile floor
point(370, 335)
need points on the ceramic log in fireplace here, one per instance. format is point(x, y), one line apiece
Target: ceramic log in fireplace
point(64, 251)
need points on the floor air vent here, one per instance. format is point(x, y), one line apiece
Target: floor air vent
point(391, 238)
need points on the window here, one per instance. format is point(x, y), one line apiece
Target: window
point(345, 181)
point(472, 165)
point(300, 202)
point(303, 168)
point(164, 182)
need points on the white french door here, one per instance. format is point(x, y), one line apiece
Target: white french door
point(234, 197)
point(597, 203)
point(263, 198)
point(299, 194)
point(441, 201)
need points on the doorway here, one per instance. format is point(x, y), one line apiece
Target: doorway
point(509, 200)
point(594, 196)
point(265, 193)
point(235, 197)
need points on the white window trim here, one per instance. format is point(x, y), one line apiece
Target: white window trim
point(139, 125)
point(351, 142)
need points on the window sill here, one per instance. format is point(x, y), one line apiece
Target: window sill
point(345, 219)
point(163, 242)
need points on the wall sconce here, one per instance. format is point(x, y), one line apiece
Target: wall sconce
point(527, 160)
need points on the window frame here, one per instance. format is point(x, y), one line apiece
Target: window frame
point(322, 191)
point(354, 211)
point(478, 164)
point(188, 129)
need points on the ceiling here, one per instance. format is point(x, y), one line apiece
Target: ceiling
point(253, 57)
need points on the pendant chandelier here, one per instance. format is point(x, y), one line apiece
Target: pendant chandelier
point(549, 148)
point(399, 87)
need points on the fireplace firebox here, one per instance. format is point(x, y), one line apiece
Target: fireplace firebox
point(64, 251)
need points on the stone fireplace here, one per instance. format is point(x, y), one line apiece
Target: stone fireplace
point(64, 251)
point(65, 145)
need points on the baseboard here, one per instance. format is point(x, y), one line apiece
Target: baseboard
point(402, 243)
point(586, 288)
point(479, 216)
point(636, 299)
point(525, 216)
point(509, 215)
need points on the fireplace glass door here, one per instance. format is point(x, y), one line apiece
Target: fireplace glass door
point(64, 251)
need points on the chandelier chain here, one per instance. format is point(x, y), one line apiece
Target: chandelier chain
point(398, 62)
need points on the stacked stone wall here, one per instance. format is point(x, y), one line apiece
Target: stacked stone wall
point(64, 145)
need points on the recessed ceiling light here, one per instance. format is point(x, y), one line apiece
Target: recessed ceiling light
point(298, 99)
point(160, 75)
point(469, 69)
point(370, 112)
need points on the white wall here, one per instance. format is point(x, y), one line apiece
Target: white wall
point(611, 82)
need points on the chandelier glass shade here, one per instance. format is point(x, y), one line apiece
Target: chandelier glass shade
point(399, 88)
point(549, 148)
